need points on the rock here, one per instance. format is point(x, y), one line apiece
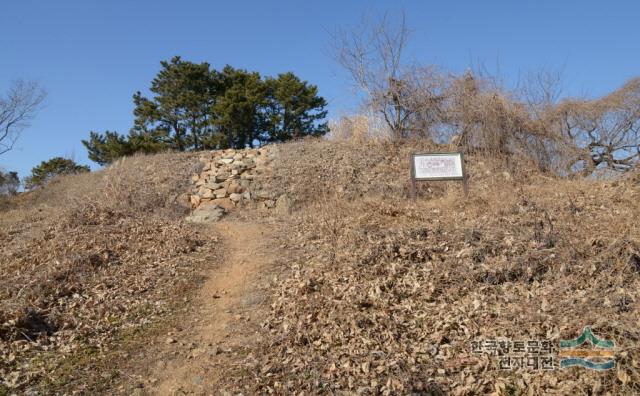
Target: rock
point(195, 200)
point(263, 194)
point(207, 214)
point(171, 340)
point(208, 194)
point(226, 179)
point(283, 205)
point(234, 187)
point(222, 176)
point(223, 202)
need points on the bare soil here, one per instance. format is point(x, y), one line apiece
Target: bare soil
point(225, 314)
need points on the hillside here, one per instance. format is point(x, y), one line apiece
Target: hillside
point(354, 288)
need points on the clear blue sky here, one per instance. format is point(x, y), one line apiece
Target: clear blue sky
point(91, 56)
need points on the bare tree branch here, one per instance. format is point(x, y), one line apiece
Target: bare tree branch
point(17, 107)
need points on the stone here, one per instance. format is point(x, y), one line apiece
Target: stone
point(195, 177)
point(234, 187)
point(235, 197)
point(224, 203)
point(208, 194)
point(249, 163)
point(225, 161)
point(247, 196)
point(222, 176)
point(213, 186)
point(263, 194)
point(269, 203)
point(238, 157)
point(238, 166)
point(245, 183)
point(220, 193)
point(283, 205)
point(206, 214)
point(195, 200)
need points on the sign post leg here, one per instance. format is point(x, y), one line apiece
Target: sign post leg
point(412, 189)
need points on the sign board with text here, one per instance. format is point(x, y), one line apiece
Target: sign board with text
point(437, 166)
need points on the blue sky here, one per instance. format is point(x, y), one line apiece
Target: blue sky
point(91, 56)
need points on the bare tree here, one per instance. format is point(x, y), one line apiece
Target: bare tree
point(606, 129)
point(17, 107)
point(405, 95)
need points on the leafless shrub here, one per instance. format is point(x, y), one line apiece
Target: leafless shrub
point(349, 128)
point(406, 96)
point(492, 120)
point(477, 113)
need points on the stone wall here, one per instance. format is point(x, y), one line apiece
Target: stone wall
point(232, 179)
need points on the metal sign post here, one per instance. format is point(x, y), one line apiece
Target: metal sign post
point(437, 166)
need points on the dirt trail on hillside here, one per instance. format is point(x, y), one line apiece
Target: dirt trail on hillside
point(225, 317)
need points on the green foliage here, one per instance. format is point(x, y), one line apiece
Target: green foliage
point(106, 148)
point(238, 111)
point(9, 183)
point(195, 107)
point(294, 109)
point(47, 170)
point(179, 113)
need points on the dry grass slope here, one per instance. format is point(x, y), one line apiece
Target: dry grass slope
point(386, 294)
point(89, 261)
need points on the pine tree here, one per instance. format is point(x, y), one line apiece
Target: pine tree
point(47, 170)
point(237, 114)
point(295, 109)
point(179, 112)
point(195, 107)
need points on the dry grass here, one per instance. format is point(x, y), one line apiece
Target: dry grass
point(386, 294)
point(89, 258)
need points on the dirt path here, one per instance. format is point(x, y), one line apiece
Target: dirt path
point(225, 314)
